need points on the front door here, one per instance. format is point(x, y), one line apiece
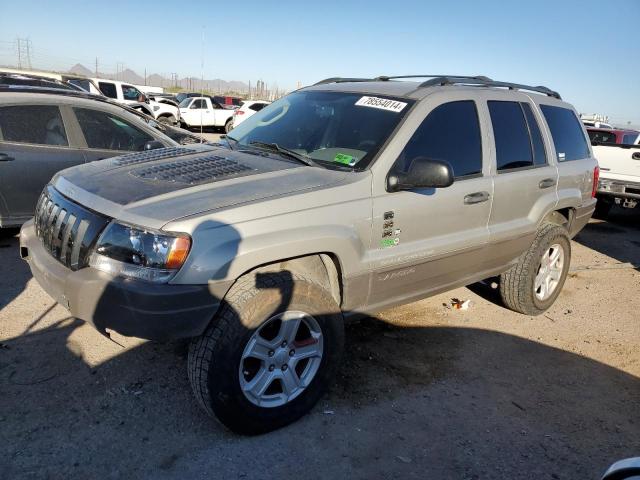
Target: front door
point(34, 146)
point(428, 240)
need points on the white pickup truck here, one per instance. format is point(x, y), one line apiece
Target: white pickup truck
point(129, 95)
point(619, 175)
point(203, 111)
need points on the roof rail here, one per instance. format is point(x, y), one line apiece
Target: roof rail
point(385, 78)
point(341, 80)
point(487, 82)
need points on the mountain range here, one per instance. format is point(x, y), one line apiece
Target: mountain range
point(156, 80)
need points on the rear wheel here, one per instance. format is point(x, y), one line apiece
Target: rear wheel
point(228, 126)
point(269, 354)
point(533, 284)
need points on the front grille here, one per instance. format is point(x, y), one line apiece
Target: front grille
point(67, 230)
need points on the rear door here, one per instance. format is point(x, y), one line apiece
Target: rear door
point(108, 135)
point(34, 145)
point(525, 180)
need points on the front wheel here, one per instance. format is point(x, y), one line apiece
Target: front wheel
point(167, 120)
point(269, 354)
point(533, 284)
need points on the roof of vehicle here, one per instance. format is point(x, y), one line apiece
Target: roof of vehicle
point(251, 102)
point(618, 131)
point(392, 86)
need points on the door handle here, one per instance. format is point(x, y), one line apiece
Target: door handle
point(6, 158)
point(547, 182)
point(477, 197)
point(636, 156)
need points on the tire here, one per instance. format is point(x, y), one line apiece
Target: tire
point(167, 120)
point(518, 287)
point(214, 365)
point(603, 207)
point(228, 126)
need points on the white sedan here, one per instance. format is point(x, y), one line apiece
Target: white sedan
point(248, 108)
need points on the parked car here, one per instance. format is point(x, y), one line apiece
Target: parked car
point(607, 135)
point(203, 111)
point(133, 97)
point(337, 200)
point(619, 182)
point(44, 130)
point(248, 108)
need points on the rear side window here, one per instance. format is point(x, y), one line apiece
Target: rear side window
point(105, 131)
point(567, 133)
point(257, 106)
point(601, 137)
point(450, 132)
point(108, 89)
point(36, 124)
point(513, 144)
point(629, 138)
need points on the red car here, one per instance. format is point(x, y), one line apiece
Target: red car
point(607, 135)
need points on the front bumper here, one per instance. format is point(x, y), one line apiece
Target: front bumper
point(128, 306)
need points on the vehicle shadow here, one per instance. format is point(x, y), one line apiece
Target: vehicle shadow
point(454, 402)
point(618, 237)
point(15, 272)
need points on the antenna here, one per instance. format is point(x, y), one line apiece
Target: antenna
point(202, 82)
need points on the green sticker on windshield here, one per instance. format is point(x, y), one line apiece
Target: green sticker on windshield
point(346, 159)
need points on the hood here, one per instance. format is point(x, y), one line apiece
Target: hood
point(155, 187)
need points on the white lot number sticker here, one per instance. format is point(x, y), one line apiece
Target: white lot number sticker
point(382, 103)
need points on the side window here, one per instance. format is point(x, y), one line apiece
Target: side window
point(108, 89)
point(567, 133)
point(450, 132)
point(257, 106)
point(629, 138)
point(511, 134)
point(539, 154)
point(36, 124)
point(105, 131)
point(130, 93)
point(601, 136)
point(199, 104)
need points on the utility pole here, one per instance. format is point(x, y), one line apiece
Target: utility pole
point(23, 49)
point(145, 75)
point(96, 66)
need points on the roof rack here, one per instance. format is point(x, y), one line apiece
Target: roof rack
point(342, 80)
point(442, 80)
point(486, 82)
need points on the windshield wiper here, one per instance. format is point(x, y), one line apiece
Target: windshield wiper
point(274, 147)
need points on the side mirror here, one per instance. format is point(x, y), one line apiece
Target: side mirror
point(423, 173)
point(153, 144)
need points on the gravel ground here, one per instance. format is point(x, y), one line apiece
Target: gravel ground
point(423, 392)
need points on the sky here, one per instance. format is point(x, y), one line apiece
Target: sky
point(586, 50)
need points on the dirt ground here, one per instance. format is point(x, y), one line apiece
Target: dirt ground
point(423, 392)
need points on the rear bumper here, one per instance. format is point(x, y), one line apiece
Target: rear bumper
point(130, 307)
point(583, 214)
point(619, 188)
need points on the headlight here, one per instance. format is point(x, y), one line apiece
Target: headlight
point(140, 253)
point(156, 108)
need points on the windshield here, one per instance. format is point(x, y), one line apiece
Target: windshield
point(185, 103)
point(336, 127)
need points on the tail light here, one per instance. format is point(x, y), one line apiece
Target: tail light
point(238, 112)
point(596, 178)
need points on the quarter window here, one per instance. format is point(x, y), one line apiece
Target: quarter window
point(511, 134)
point(451, 132)
point(256, 107)
point(36, 124)
point(539, 154)
point(105, 131)
point(567, 133)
